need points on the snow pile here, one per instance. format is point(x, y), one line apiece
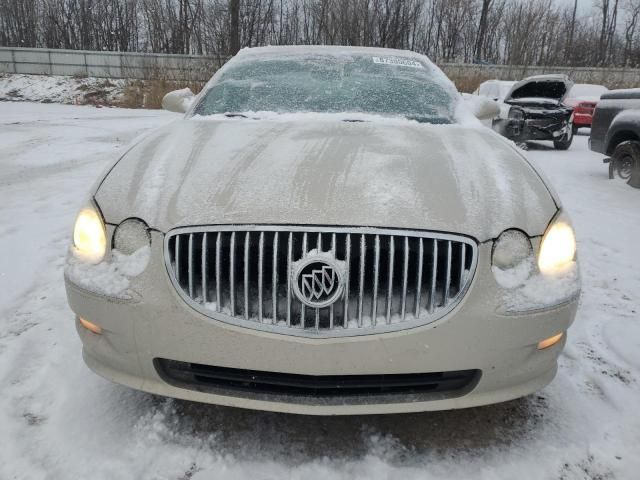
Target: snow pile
point(55, 414)
point(329, 117)
point(110, 278)
point(60, 89)
point(474, 107)
point(511, 248)
point(514, 277)
point(465, 114)
point(178, 100)
point(528, 289)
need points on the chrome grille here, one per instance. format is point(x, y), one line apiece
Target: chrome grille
point(392, 279)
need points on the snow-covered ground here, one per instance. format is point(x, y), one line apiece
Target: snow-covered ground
point(60, 89)
point(58, 420)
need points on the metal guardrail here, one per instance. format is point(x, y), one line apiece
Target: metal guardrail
point(136, 65)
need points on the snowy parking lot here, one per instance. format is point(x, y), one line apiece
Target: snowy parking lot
point(58, 420)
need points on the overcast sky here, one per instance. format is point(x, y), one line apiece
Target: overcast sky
point(584, 6)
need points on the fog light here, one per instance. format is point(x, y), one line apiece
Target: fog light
point(130, 236)
point(92, 327)
point(511, 249)
point(549, 342)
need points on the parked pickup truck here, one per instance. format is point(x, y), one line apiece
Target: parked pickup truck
point(615, 132)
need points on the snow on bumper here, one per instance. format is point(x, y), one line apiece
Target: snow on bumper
point(156, 323)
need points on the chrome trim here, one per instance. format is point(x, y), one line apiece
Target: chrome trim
point(434, 275)
point(177, 259)
point(232, 274)
point(376, 274)
point(289, 259)
point(190, 265)
point(447, 282)
point(274, 280)
point(405, 274)
point(203, 267)
point(419, 276)
point(347, 248)
point(444, 291)
point(247, 313)
point(390, 278)
point(363, 261)
point(461, 277)
point(218, 270)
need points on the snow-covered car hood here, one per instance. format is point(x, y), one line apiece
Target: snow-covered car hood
point(323, 171)
point(553, 87)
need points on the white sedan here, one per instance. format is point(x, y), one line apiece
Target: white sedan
point(326, 231)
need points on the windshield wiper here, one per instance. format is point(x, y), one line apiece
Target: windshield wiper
point(436, 120)
point(235, 114)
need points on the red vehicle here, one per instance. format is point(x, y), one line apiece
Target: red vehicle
point(583, 98)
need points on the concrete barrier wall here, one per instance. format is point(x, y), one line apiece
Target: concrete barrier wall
point(43, 61)
point(610, 77)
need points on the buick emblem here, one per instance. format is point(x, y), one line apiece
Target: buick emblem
point(318, 280)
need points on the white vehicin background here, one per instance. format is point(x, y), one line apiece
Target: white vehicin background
point(58, 420)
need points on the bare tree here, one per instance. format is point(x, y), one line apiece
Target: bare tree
point(571, 28)
point(633, 14)
point(482, 28)
point(234, 21)
point(532, 32)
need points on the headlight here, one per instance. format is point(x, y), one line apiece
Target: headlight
point(510, 249)
point(516, 113)
point(89, 237)
point(130, 236)
point(558, 248)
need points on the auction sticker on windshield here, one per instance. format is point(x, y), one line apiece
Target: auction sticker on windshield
point(397, 61)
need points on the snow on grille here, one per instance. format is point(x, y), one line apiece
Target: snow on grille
point(391, 279)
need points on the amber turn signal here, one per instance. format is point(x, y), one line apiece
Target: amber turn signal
point(549, 342)
point(92, 327)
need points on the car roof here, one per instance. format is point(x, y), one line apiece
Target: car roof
point(327, 49)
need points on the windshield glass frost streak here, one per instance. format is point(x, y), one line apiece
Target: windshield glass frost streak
point(331, 84)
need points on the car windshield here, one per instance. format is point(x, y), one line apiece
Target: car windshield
point(391, 85)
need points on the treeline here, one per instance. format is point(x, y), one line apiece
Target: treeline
point(523, 32)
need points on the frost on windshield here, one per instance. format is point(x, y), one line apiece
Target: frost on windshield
point(395, 85)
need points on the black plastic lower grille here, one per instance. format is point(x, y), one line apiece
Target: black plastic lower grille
point(198, 377)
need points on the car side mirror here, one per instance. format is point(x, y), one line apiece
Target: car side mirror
point(483, 108)
point(178, 101)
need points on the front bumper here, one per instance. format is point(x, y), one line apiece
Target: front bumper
point(531, 129)
point(582, 119)
point(157, 324)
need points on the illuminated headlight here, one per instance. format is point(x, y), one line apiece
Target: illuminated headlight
point(130, 236)
point(516, 113)
point(510, 249)
point(526, 287)
point(89, 236)
point(558, 247)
